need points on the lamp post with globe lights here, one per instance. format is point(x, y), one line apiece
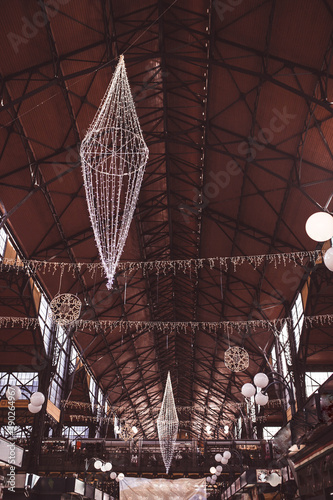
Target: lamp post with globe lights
point(99, 465)
point(260, 387)
point(261, 384)
point(224, 458)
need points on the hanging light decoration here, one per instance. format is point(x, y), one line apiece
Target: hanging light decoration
point(167, 425)
point(260, 381)
point(236, 359)
point(319, 226)
point(65, 308)
point(13, 392)
point(37, 400)
point(126, 432)
point(114, 156)
point(328, 259)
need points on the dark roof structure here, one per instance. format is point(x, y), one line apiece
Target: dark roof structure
point(235, 102)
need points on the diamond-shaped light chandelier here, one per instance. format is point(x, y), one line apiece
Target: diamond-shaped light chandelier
point(114, 156)
point(167, 425)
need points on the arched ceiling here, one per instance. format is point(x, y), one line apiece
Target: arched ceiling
point(234, 100)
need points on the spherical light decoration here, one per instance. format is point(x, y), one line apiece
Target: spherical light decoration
point(248, 390)
point(135, 429)
point(214, 477)
point(227, 455)
point(212, 481)
point(113, 475)
point(218, 457)
point(108, 466)
point(328, 259)
point(261, 399)
point(126, 432)
point(208, 479)
point(212, 470)
point(219, 469)
point(98, 464)
point(224, 461)
point(103, 469)
point(261, 380)
point(13, 392)
point(65, 308)
point(319, 226)
point(274, 479)
point(117, 479)
point(37, 399)
point(218, 473)
point(34, 409)
point(121, 476)
point(236, 359)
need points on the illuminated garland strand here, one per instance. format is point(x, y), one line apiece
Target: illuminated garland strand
point(275, 325)
point(120, 409)
point(195, 409)
point(165, 266)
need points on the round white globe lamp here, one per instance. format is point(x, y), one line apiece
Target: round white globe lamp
point(274, 479)
point(328, 260)
point(37, 399)
point(261, 399)
point(248, 390)
point(13, 392)
point(33, 408)
point(261, 380)
point(319, 226)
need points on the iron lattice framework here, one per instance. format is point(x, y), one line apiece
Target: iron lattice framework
point(238, 125)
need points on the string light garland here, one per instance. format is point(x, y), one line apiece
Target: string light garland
point(167, 425)
point(114, 156)
point(190, 410)
point(165, 266)
point(178, 327)
point(126, 432)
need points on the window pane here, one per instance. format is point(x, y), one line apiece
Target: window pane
point(269, 432)
point(313, 380)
